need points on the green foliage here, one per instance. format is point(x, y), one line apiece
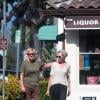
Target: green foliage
point(12, 89)
point(1, 1)
point(48, 52)
point(10, 57)
point(48, 55)
point(43, 88)
point(13, 30)
point(13, 92)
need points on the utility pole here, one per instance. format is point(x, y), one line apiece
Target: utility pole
point(17, 40)
point(4, 49)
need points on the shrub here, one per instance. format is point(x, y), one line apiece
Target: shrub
point(43, 88)
point(1, 91)
point(13, 91)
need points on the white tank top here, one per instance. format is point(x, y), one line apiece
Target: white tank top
point(59, 73)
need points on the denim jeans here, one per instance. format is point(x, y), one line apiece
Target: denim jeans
point(58, 92)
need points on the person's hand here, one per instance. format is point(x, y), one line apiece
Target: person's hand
point(46, 65)
point(23, 89)
point(69, 92)
point(47, 92)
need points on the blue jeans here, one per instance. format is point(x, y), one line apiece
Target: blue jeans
point(58, 92)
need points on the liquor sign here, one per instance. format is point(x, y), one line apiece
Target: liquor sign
point(82, 22)
point(3, 44)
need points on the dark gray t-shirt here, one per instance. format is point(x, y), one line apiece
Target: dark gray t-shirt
point(31, 72)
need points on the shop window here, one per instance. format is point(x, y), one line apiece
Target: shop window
point(89, 56)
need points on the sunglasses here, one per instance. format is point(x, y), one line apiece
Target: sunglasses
point(30, 54)
point(58, 56)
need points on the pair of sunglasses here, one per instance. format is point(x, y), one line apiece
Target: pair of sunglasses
point(30, 54)
point(58, 56)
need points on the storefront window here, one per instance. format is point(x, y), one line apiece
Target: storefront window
point(89, 56)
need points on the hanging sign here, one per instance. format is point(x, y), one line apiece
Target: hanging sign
point(17, 36)
point(82, 22)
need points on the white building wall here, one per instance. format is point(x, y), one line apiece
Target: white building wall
point(60, 31)
point(72, 47)
point(78, 91)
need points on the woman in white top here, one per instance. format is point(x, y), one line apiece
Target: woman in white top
point(59, 81)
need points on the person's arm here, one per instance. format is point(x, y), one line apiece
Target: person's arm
point(21, 82)
point(50, 78)
point(47, 65)
point(69, 81)
point(48, 88)
point(22, 69)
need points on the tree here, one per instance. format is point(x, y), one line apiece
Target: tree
point(29, 18)
point(28, 15)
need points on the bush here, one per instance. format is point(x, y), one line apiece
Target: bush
point(43, 88)
point(13, 91)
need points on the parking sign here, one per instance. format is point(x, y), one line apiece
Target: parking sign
point(17, 36)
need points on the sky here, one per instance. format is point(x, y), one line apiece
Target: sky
point(9, 24)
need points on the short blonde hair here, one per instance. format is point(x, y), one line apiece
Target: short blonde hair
point(31, 50)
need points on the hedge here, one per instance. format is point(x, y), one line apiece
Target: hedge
point(13, 92)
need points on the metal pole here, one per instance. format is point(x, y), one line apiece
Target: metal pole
point(4, 18)
point(17, 68)
point(17, 40)
point(4, 67)
point(4, 51)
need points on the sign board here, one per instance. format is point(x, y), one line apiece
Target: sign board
point(17, 36)
point(82, 22)
point(3, 44)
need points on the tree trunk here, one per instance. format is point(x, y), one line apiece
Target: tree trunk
point(36, 43)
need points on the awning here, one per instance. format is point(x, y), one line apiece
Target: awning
point(48, 32)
